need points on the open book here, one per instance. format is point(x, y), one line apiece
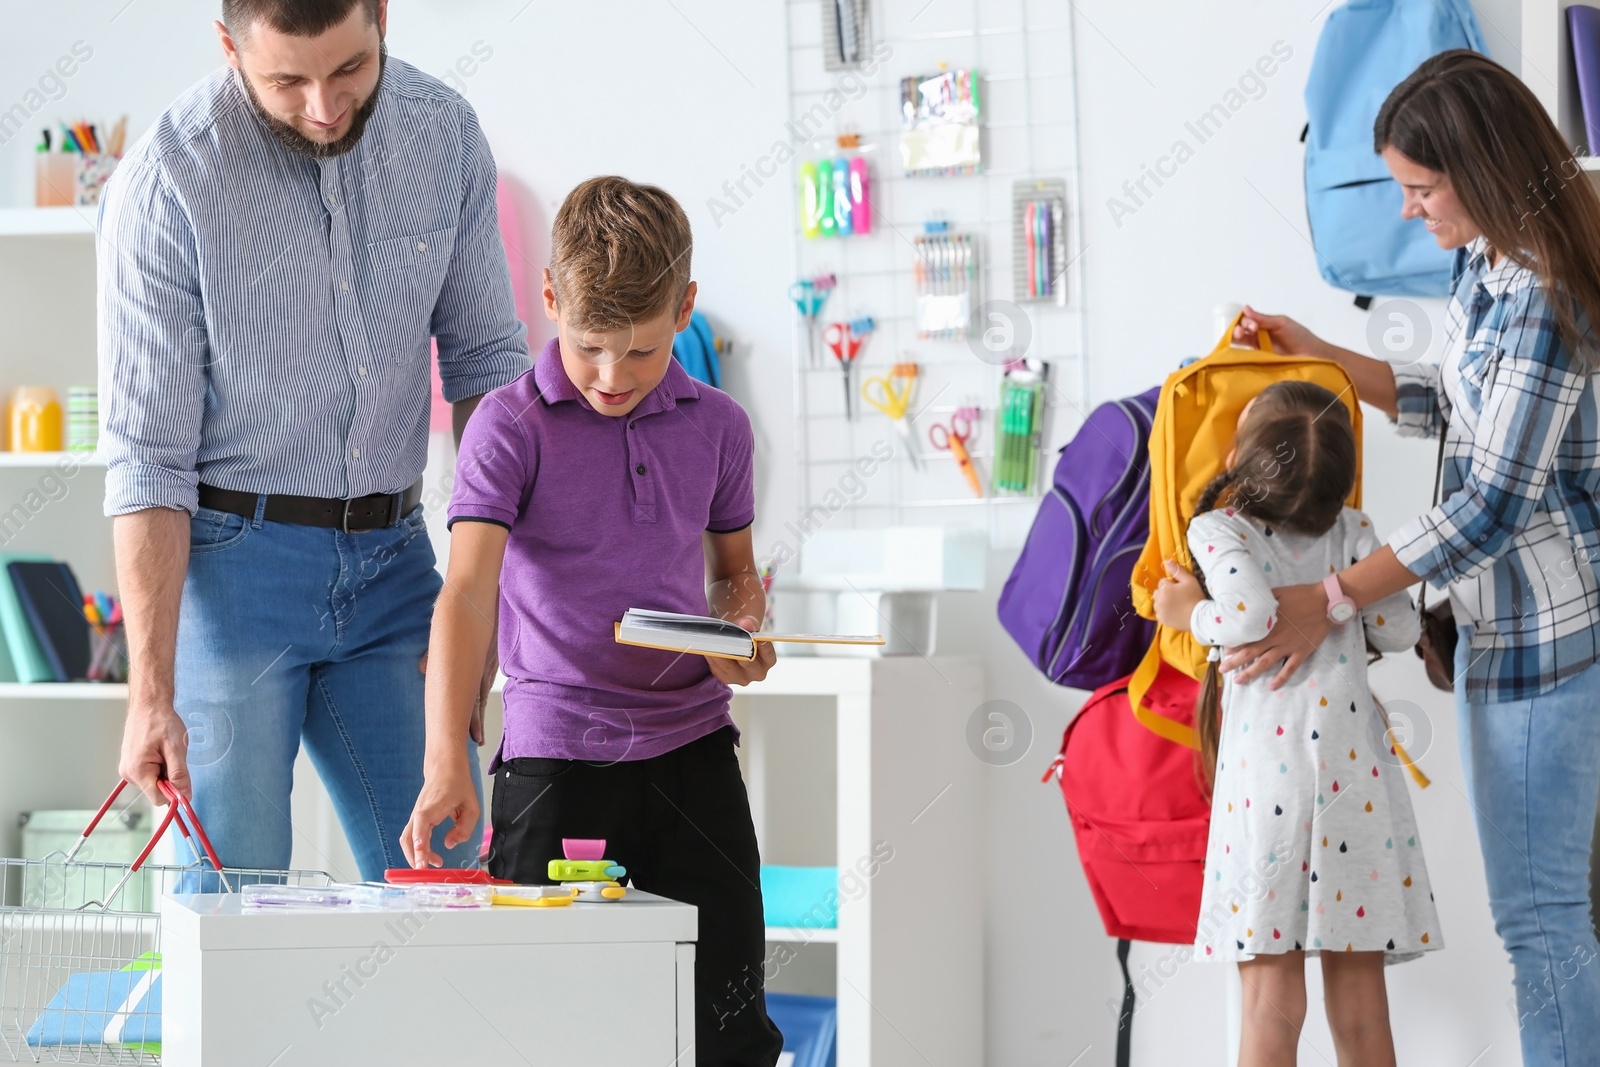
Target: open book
point(706, 636)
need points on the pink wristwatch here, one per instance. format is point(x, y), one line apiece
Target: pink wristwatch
point(1341, 609)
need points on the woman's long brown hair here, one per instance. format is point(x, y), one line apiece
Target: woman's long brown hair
point(1465, 116)
point(1294, 464)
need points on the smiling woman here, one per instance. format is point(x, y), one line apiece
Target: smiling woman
point(1516, 538)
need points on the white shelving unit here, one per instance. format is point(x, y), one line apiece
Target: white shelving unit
point(1548, 70)
point(58, 742)
point(899, 782)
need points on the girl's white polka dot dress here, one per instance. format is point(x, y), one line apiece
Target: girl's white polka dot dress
point(1313, 843)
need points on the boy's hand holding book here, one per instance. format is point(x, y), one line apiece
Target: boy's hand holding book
point(743, 672)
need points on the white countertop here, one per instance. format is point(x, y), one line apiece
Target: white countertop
point(217, 922)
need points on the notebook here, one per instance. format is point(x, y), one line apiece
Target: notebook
point(53, 604)
point(23, 660)
point(706, 636)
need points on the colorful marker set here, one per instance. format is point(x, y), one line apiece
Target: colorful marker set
point(108, 659)
point(1039, 210)
point(946, 275)
point(73, 168)
point(1017, 430)
point(835, 197)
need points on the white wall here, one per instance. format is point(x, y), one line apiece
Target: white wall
point(682, 94)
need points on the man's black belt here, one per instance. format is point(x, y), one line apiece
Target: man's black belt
point(356, 515)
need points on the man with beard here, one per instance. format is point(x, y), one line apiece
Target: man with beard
point(275, 255)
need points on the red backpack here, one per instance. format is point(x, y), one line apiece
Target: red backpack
point(1139, 817)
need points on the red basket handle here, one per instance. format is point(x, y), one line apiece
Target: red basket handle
point(178, 810)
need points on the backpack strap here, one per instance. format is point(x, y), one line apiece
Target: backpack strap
point(1125, 1017)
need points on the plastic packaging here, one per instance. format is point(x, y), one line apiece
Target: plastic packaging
point(939, 124)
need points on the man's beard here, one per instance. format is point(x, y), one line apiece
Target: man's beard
point(298, 142)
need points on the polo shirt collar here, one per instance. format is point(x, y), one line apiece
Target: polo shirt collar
point(555, 386)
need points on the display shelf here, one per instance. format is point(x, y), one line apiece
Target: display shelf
point(51, 459)
point(113, 691)
point(47, 221)
point(802, 934)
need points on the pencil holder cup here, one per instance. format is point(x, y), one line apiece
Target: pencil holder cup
point(92, 171)
point(108, 655)
point(53, 179)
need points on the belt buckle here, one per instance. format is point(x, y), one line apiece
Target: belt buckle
point(393, 502)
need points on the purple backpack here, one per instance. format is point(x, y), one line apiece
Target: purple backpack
point(1068, 601)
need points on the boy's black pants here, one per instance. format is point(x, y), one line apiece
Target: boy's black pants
point(680, 822)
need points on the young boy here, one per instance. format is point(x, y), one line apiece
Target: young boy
point(602, 479)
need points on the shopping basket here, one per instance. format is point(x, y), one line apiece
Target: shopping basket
point(80, 953)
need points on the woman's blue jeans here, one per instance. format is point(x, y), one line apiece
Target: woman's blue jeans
point(1533, 776)
point(293, 633)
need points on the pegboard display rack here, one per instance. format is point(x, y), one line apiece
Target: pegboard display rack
point(1022, 53)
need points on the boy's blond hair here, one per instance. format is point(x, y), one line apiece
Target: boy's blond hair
point(619, 254)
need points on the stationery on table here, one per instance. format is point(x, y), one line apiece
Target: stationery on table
point(707, 636)
point(891, 394)
point(844, 341)
point(952, 437)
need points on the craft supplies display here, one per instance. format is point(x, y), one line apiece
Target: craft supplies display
point(981, 95)
point(73, 168)
point(846, 33)
point(1038, 240)
point(1019, 425)
point(946, 275)
point(835, 197)
point(940, 135)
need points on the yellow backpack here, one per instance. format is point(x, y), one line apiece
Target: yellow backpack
point(1192, 436)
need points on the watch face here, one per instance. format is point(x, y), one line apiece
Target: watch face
point(1342, 612)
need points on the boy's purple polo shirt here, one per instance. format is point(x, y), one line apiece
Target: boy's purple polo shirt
point(604, 514)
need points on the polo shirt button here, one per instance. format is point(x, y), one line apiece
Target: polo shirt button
point(639, 469)
point(422, 246)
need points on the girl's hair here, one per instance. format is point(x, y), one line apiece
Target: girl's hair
point(1294, 465)
point(1469, 118)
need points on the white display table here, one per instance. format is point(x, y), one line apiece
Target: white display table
point(586, 983)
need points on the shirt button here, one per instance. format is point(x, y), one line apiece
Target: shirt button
point(422, 246)
point(639, 469)
point(363, 371)
point(356, 452)
point(344, 284)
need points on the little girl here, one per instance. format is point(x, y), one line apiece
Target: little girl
point(1313, 846)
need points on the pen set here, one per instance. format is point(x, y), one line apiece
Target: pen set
point(74, 164)
point(1038, 240)
point(946, 275)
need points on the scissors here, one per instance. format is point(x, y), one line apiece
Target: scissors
point(891, 394)
point(953, 438)
point(809, 295)
point(844, 341)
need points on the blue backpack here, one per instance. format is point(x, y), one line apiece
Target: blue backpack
point(1368, 47)
point(696, 349)
point(1068, 602)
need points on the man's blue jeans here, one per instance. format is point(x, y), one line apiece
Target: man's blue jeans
point(1533, 773)
point(291, 633)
